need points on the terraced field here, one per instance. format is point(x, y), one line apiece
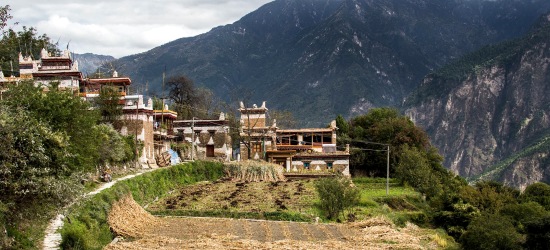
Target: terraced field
point(140, 230)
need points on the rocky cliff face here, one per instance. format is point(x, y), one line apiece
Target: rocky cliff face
point(493, 122)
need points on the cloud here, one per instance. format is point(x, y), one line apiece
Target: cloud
point(126, 27)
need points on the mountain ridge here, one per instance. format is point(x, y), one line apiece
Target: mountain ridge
point(297, 54)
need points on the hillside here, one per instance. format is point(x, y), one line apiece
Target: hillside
point(489, 113)
point(320, 58)
point(88, 63)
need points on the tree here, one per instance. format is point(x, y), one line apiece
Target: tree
point(181, 90)
point(284, 118)
point(538, 234)
point(336, 195)
point(4, 17)
point(491, 231)
point(31, 155)
point(538, 192)
point(524, 213)
point(382, 126)
point(108, 104)
point(63, 113)
point(415, 169)
point(26, 42)
point(490, 196)
point(113, 148)
point(342, 125)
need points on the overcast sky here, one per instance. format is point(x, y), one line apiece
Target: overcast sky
point(124, 27)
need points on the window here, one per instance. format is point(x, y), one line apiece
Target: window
point(257, 147)
point(209, 150)
point(306, 165)
point(329, 165)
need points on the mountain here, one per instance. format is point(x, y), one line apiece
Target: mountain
point(489, 113)
point(88, 63)
point(320, 58)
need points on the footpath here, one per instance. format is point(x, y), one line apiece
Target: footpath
point(52, 240)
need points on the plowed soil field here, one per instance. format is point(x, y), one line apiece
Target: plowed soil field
point(254, 197)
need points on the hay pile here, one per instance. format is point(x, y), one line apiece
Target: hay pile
point(254, 171)
point(129, 219)
point(379, 231)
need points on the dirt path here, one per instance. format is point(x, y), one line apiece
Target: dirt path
point(52, 240)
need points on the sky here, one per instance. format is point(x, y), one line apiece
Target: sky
point(124, 27)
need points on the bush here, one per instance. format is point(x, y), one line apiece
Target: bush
point(538, 192)
point(538, 234)
point(491, 231)
point(336, 195)
point(524, 213)
point(75, 237)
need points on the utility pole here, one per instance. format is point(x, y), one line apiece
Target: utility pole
point(388, 172)
point(162, 96)
point(136, 125)
point(192, 137)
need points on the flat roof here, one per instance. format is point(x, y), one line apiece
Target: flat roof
point(305, 130)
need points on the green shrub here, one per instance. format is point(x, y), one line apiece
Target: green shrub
point(491, 231)
point(524, 213)
point(75, 237)
point(538, 234)
point(336, 195)
point(538, 192)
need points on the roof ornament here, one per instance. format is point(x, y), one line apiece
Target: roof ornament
point(75, 66)
point(115, 74)
point(263, 105)
point(44, 53)
point(242, 105)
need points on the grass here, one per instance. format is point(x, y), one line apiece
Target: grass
point(401, 204)
point(27, 231)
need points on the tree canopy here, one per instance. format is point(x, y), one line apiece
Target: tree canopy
point(369, 134)
point(191, 101)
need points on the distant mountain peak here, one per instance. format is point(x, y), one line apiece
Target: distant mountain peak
point(88, 63)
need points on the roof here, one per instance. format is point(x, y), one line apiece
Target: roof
point(57, 73)
point(187, 123)
point(166, 113)
point(125, 80)
point(338, 154)
point(304, 130)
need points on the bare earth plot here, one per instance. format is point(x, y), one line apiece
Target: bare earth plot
point(141, 230)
